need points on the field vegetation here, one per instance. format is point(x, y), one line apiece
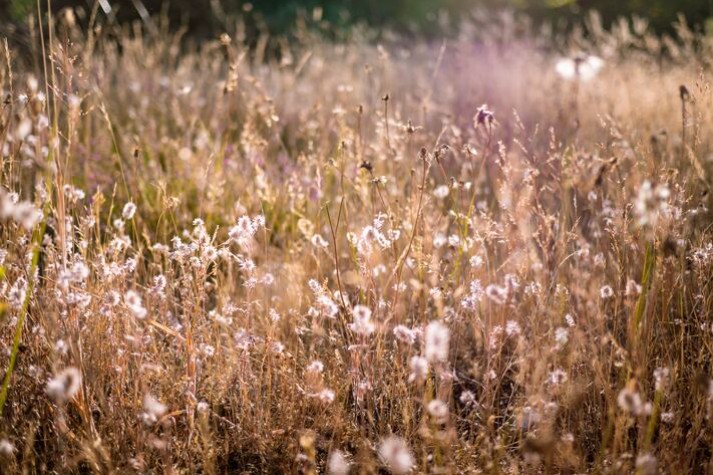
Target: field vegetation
point(490, 254)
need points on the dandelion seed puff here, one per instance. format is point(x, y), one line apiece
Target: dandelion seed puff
point(65, 385)
point(437, 338)
point(23, 129)
point(405, 334)
point(153, 409)
point(512, 328)
point(202, 407)
point(396, 455)
point(476, 262)
point(569, 319)
point(337, 464)
point(419, 369)
point(61, 347)
point(133, 302)
point(361, 321)
point(661, 378)
point(467, 398)
point(439, 240)
point(326, 396)
point(441, 192)
point(557, 377)
point(632, 288)
point(315, 367)
point(561, 336)
point(6, 448)
point(129, 211)
point(630, 401)
point(606, 292)
point(438, 410)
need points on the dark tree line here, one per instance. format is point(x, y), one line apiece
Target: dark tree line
point(205, 17)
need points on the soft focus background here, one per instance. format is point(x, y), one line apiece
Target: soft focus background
point(202, 17)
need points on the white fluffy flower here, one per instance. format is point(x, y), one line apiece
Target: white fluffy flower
point(129, 211)
point(437, 338)
point(361, 321)
point(133, 302)
point(65, 385)
point(396, 455)
point(337, 464)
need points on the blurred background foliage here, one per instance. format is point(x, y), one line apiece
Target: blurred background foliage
point(423, 17)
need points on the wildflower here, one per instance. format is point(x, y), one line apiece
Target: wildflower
point(606, 292)
point(630, 401)
point(396, 455)
point(632, 288)
point(362, 321)
point(661, 378)
point(326, 396)
point(207, 350)
point(274, 315)
point(153, 409)
point(483, 116)
point(419, 369)
point(557, 377)
point(18, 293)
point(61, 347)
point(512, 328)
point(441, 192)
point(22, 212)
point(337, 464)
point(6, 448)
point(476, 262)
point(315, 367)
point(128, 211)
point(134, 304)
point(65, 385)
point(467, 398)
point(561, 336)
point(569, 319)
point(405, 334)
point(277, 347)
point(651, 202)
point(245, 229)
point(209, 253)
point(437, 338)
point(73, 194)
point(579, 67)
point(438, 410)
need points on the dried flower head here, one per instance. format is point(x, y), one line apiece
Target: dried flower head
point(396, 455)
point(64, 385)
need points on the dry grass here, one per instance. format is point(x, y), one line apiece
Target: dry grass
point(301, 223)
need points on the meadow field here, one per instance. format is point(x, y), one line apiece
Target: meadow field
point(486, 254)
